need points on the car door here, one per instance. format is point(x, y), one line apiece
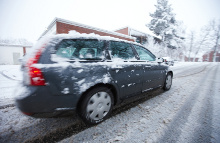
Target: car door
point(153, 71)
point(125, 69)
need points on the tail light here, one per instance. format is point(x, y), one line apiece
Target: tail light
point(34, 75)
point(28, 114)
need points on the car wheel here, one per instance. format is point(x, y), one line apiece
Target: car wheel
point(96, 105)
point(168, 82)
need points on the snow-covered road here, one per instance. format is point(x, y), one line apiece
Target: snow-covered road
point(188, 112)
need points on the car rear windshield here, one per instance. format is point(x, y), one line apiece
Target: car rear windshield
point(82, 49)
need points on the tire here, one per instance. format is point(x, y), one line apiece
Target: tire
point(168, 82)
point(96, 105)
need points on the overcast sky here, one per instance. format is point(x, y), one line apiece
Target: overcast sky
point(29, 18)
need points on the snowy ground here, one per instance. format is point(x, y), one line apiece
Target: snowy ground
point(10, 75)
point(189, 112)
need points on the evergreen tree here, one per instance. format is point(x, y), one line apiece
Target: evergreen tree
point(164, 24)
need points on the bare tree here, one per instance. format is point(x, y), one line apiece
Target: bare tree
point(215, 37)
point(191, 43)
point(207, 38)
point(203, 41)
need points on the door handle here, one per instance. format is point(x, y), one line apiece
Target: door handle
point(116, 69)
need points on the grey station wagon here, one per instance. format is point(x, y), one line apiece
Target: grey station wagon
point(87, 74)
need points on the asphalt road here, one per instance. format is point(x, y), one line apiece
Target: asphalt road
point(189, 112)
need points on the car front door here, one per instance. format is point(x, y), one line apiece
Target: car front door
point(125, 69)
point(153, 71)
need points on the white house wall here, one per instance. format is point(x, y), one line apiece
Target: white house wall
point(8, 54)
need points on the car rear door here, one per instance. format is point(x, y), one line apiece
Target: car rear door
point(75, 66)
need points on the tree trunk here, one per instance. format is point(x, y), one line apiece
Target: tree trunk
point(216, 44)
point(215, 51)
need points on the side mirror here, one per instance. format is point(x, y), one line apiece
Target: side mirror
point(159, 60)
point(20, 60)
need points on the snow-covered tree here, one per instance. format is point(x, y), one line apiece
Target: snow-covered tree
point(165, 25)
point(159, 50)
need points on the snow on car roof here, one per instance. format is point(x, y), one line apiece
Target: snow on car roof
point(166, 57)
point(75, 35)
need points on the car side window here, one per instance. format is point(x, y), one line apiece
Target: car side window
point(82, 49)
point(144, 54)
point(121, 50)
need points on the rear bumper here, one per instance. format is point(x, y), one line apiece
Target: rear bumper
point(39, 102)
